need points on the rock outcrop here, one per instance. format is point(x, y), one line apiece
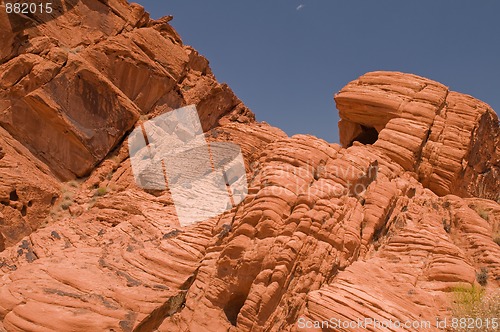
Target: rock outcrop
point(383, 227)
point(86, 83)
point(27, 191)
point(450, 140)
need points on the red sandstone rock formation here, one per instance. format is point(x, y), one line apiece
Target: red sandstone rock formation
point(450, 140)
point(383, 227)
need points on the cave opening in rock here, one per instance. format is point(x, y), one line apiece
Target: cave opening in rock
point(13, 196)
point(368, 135)
point(233, 307)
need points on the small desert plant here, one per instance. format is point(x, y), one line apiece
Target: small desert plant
point(116, 160)
point(66, 204)
point(73, 184)
point(483, 213)
point(482, 276)
point(67, 195)
point(466, 297)
point(101, 191)
point(472, 303)
point(496, 238)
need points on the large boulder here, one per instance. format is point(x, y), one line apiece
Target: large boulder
point(450, 140)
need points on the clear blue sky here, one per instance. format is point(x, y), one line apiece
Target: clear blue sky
point(285, 62)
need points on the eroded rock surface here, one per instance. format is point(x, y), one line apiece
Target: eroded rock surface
point(383, 227)
point(27, 191)
point(449, 139)
point(89, 83)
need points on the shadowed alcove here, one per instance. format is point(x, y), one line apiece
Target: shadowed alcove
point(233, 307)
point(350, 132)
point(368, 135)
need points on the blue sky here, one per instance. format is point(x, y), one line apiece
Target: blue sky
point(285, 59)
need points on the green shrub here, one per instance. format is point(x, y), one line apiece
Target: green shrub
point(474, 302)
point(101, 191)
point(467, 296)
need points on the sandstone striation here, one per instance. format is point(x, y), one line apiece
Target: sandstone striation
point(384, 226)
point(86, 83)
point(27, 191)
point(450, 140)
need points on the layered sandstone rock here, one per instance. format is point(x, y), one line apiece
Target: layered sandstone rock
point(449, 139)
point(27, 191)
point(303, 245)
point(382, 228)
point(86, 83)
point(70, 93)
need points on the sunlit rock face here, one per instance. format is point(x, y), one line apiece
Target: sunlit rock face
point(88, 83)
point(383, 226)
point(450, 140)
